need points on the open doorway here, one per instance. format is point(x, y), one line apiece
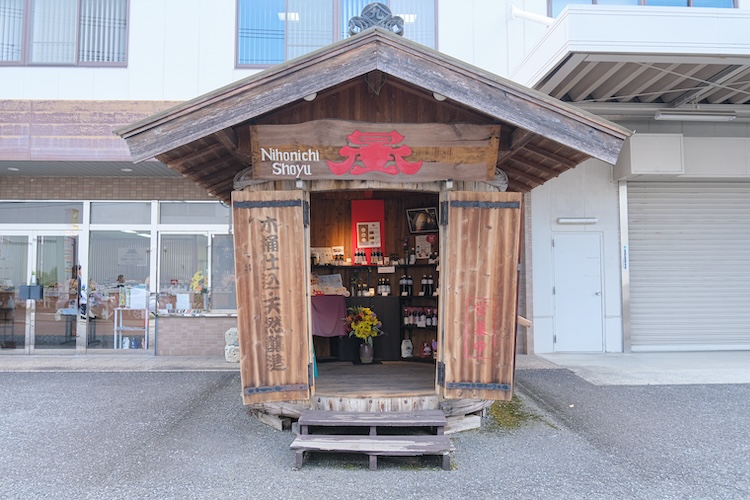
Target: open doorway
point(380, 250)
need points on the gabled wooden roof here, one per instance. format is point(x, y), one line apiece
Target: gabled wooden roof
point(376, 77)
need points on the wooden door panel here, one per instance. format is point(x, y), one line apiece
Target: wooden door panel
point(480, 286)
point(272, 305)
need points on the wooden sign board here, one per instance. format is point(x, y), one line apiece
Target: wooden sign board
point(391, 152)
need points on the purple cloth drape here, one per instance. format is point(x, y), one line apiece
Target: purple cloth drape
point(328, 313)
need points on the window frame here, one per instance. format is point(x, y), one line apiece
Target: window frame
point(338, 29)
point(26, 42)
point(640, 3)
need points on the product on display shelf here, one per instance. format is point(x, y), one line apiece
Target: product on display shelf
point(407, 348)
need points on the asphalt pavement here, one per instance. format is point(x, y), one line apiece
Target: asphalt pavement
point(185, 434)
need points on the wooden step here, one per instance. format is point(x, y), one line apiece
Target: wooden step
point(321, 418)
point(374, 446)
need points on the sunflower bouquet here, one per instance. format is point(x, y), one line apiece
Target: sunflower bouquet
point(363, 323)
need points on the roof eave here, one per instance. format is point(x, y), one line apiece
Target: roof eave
point(374, 49)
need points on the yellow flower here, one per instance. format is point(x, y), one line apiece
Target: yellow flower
point(363, 323)
point(199, 282)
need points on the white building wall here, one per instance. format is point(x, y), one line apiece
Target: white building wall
point(485, 34)
point(180, 49)
point(177, 50)
point(585, 191)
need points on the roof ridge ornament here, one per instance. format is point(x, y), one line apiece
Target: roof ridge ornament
point(376, 14)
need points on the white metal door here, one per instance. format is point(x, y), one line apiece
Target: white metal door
point(578, 292)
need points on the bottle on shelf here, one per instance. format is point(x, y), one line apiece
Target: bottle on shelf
point(384, 287)
point(412, 256)
point(409, 316)
point(426, 350)
point(409, 286)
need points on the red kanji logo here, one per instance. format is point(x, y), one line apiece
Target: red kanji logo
point(375, 152)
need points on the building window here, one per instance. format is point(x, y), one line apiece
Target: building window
point(192, 213)
point(48, 212)
point(63, 32)
point(273, 31)
point(120, 212)
point(556, 6)
point(222, 290)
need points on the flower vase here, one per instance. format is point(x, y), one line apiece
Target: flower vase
point(366, 352)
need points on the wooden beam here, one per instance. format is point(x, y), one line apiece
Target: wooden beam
point(195, 155)
point(531, 179)
point(222, 191)
point(228, 137)
point(512, 143)
point(217, 187)
point(520, 187)
point(535, 166)
point(202, 167)
point(552, 156)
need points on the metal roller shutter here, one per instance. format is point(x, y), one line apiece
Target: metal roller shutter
point(689, 266)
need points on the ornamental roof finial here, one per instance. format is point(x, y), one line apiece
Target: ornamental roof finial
point(376, 14)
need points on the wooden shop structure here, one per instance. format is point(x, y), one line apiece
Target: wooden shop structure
point(360, 132)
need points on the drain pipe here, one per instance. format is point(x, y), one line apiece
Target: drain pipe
point(530, 16)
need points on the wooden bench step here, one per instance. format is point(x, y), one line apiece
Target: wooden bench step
point(374, 446)
point(322, 418)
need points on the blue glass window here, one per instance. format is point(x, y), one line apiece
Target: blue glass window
point(273, 31)
point(556, 6)
point(721, 4)
point(260, 31)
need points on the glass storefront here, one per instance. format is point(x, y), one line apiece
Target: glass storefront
point(223, 295)
point(14, 251)
point(183, 272)
point(56, 312)
point(95, 275)
point(118, 292)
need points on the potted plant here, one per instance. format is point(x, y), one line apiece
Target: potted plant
point(363, 323)
point(199, 287)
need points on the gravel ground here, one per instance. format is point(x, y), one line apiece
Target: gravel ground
point(187, 435)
